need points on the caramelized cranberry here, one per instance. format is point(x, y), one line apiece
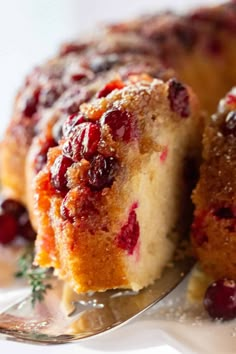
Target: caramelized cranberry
point(84, 142)
point(102, 172)
point(29, 101)
point(11, 206)
point(50, 92)
point(58, 173)
point(129, 234)
point(25, 228)
point(72, 121)
point(116, 84)
point(41, 157)
point(8, 228)
point(179, 98)
point(73, 98)
point(229, 126)
point(122, 124)
point(220, 299)
point(104, 63)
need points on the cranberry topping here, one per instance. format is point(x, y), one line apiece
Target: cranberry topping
point(72, 121)
point(50, 92)
point(80, 206)
point(116, 84)
point(220, 299)
point(198, 232)
point(229, 126)
point(122, 124)
point(103, 63)
point(68, 48)
point(214, 47)
point(41, 157)
point(8, 228)
point(58, 173)
point(78, 76)
point(129, 233)
point(73, 98)
point(84, 142)
point(101, 172)
point(179, 98)
point(29, 101)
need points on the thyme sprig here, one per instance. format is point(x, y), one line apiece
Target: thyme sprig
point(36, 277)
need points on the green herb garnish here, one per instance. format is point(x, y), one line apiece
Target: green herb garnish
point(35, 276)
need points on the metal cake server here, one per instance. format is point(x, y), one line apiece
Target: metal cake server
point(66, 317)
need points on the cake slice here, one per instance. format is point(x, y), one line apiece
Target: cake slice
point(214, 227)
point(114, 196)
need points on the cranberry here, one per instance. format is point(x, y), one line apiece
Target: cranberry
point(58, 173)
point(72, 121)
point(129, 234)
point(116, 84)
point(231, 99)
point(25, 228)
point(101, 172)
point(122, 124)
point(229, 126)
point(179, 98)
point(13, 207)
point(80, 205)
point(68, 48)
point(50, 92)
point(84, 142)
point(41, 157)
point(103, 63)
point(78, 76)
point(8, 228)
point(214, 47)
point(198, 233)
point(220, 299)
point(29, 101)
point(70, 102)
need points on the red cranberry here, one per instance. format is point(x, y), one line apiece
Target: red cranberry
point(8, 228)
point(220, 299)
point(50, 92)
point(41, 157)
point(231, 99)
point(179, 98)
point(229, 126)
point(78, 76)
point(68, 48)
point(122, 124)
point(101, 172)
point(25, 228)
point(29, 101)
point(84, 142)
point(111, 86)
point(103, 63)
point(13, 207)
point(129, 234)
point(58, 173)
point(72, 121)
point(70, 102)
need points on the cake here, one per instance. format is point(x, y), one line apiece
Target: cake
point(113, 198)
point(153, 55)
point(214, 227)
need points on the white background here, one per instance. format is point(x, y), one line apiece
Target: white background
point(31, 31)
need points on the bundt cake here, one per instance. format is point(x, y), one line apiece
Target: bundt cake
point(119, 171)
point(113, 198)
point(214, 227)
